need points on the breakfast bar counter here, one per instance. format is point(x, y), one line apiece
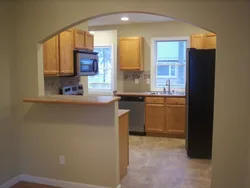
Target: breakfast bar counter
point(84, 129)
point(73, 99)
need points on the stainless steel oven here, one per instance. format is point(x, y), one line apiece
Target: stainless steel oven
point(86, 63)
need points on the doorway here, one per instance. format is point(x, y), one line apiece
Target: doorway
point(155, 159)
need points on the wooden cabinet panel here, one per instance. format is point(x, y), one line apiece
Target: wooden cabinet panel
point(197, 41)
point(131, 53)
point(155, 100)
point(175, 101)
point(203, 41)
point(79, 39)
point(50, 57)
point(175, 119)
point(89, 41)
point(123, 144)
point(210, 41)
point(66, 52)
point(154, 118)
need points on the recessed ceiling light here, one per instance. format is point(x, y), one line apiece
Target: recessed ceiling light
point(92, 32)
point(125, 19)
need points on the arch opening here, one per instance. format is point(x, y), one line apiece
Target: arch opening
point(153, 40)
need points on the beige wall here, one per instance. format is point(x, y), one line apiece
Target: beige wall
point(9, 161)
point(89, 144)
point(147, 31)
point(229, 19)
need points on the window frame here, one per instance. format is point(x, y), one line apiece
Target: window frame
point(153, 53)
point(113, 68)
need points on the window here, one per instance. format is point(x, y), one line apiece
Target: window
point(103, 82)
point(168, 61)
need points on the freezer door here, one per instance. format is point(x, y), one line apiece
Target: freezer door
point(200, 100)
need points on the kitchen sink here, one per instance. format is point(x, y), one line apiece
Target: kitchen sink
point(164, 93)
point(158, 93)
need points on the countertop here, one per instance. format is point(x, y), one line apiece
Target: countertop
point(64, 99)
point(147, 94)
point(122, 112)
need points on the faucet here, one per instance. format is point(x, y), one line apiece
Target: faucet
point(168, 83)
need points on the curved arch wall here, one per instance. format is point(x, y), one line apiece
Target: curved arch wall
point(38, 20)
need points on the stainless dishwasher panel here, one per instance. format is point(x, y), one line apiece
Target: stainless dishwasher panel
point(136, 115)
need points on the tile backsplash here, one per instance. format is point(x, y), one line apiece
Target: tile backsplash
point(52, 84)
point(136, 81)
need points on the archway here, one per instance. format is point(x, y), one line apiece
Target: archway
point(82, 21)
point(226, 150)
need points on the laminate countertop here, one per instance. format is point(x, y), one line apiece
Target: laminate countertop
point(148, 94)
point(76, 99)
point(122, 112)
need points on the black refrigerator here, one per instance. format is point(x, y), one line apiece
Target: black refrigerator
point(200, 102)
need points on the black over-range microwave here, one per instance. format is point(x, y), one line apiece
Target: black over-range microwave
point(85, 62)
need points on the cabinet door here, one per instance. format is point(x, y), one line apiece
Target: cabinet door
point(66, 52)
point(89, 41)
point(210, 41)
point(175, 119)
point(79, 39)
point(155, 118)
point(197, 41)
point(124, 144)
point(131, 53)
point(50, 57)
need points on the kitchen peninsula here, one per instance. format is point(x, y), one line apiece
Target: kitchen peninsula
point(83, 129)
point(65, 99)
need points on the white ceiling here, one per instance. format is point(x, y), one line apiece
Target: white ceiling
point(115, 19)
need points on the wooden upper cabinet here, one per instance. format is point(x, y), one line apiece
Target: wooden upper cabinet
point(197, 41)
point(89, 41)
point(79, 39)
point(155, 118)
point(51, 57)
point(175, 119)
point(66, 46)
point(210, 41)
point(131, 53)
point(203, 41)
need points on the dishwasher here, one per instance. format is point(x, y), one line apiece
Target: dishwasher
point(136, 105)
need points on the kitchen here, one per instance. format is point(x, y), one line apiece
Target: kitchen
point(22, 77)
point(168, 101)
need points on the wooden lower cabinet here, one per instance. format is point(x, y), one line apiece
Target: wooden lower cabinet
point(167, 118)
point(123, 144)
point(154, 118)
point(175, 120)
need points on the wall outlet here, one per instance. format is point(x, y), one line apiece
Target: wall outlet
point(62, 160)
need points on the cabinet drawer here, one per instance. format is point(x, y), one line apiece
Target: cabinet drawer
point(175, 101)
point(155, 100)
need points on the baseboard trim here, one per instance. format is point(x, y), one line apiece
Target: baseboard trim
point(11, 182)
point(57, 183)
point(47, 181)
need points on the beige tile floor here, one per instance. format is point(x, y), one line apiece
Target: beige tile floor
point(162, 163)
